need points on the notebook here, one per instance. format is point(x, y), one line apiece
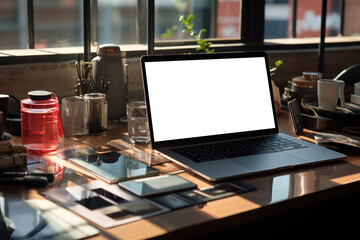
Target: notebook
point(214, 115)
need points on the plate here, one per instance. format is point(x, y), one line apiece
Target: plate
point(341, 113)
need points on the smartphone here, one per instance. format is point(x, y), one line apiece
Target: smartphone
point(156, 185)
point(295, 116)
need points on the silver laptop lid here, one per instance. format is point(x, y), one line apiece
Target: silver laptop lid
point(197, 98)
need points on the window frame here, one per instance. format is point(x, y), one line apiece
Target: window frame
point(251, 38)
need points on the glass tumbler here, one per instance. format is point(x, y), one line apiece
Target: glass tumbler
point(98, 112)
point(138, 125)
point(75, 116)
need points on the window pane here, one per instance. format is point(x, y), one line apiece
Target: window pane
point(309, 18)
point(220, 18)
point(352, 18)
point(228, 19)
point(117, 21)
point(13, 27)
point(278, 18)
point(58, 23)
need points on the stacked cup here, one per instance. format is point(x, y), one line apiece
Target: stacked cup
point(355, 98)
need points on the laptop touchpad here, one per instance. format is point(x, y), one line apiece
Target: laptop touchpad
point(218, 169)
point(268, 161)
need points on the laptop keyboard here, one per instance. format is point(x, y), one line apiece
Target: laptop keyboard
point(238, 148)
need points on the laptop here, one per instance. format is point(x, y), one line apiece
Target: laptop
point(214, 115)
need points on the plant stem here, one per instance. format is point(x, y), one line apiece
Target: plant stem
point(188, 27)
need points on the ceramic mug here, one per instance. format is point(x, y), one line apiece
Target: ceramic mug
point(357, 88)
point(329, 91)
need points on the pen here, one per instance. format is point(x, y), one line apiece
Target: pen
point(49, 176)
point(26, 181)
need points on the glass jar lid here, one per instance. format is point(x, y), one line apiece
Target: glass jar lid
point(39, 95)
point(39, 99)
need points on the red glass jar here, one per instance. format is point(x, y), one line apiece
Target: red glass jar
point(41, 124)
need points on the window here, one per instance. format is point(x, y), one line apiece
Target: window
point(220, 18)
point(351, 18)
point(301, 19)
point(12, 24)
point(116, 22)
point(277, 19)
point(308, 18)
point(57, 23)
point(48, 24)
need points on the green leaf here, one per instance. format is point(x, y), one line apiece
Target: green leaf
point(278, 63)
point(190, 18)
point(202, 32)
point(167, 34)
point(201, 41)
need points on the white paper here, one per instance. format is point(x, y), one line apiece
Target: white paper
point(103, 204)
point(337, 138)
point(45, 220)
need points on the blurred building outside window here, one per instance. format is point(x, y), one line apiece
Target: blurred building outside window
point(59, 23)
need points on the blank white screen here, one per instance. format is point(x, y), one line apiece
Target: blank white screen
point(195, 98)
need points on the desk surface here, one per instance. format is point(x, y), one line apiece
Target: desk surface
point(276, 192)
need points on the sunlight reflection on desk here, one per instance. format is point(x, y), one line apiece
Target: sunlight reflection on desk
point(292, 185)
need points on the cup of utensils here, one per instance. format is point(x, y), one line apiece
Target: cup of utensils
point(90, 103)
point(87, 83)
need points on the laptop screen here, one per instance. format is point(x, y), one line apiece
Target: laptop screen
point(191, 98)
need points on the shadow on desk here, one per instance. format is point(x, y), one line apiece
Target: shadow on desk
point(327, 213)
point(321, 200)
point(333, 218)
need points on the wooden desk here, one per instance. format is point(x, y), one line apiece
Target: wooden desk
point(285, 201)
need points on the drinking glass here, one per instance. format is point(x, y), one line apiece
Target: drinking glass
point(75, 116)
point(138, 125)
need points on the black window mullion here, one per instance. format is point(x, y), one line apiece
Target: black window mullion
point(87, 30)
point(342, 17)
point(294, 17)
point(321, 51)
point(253, 21)
point(214, 20)
point(151, 27)
point(30, 24)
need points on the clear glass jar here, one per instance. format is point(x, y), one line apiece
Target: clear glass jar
point(98, 112)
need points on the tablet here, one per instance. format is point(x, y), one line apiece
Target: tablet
point(156, 185)
point(114, 167)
